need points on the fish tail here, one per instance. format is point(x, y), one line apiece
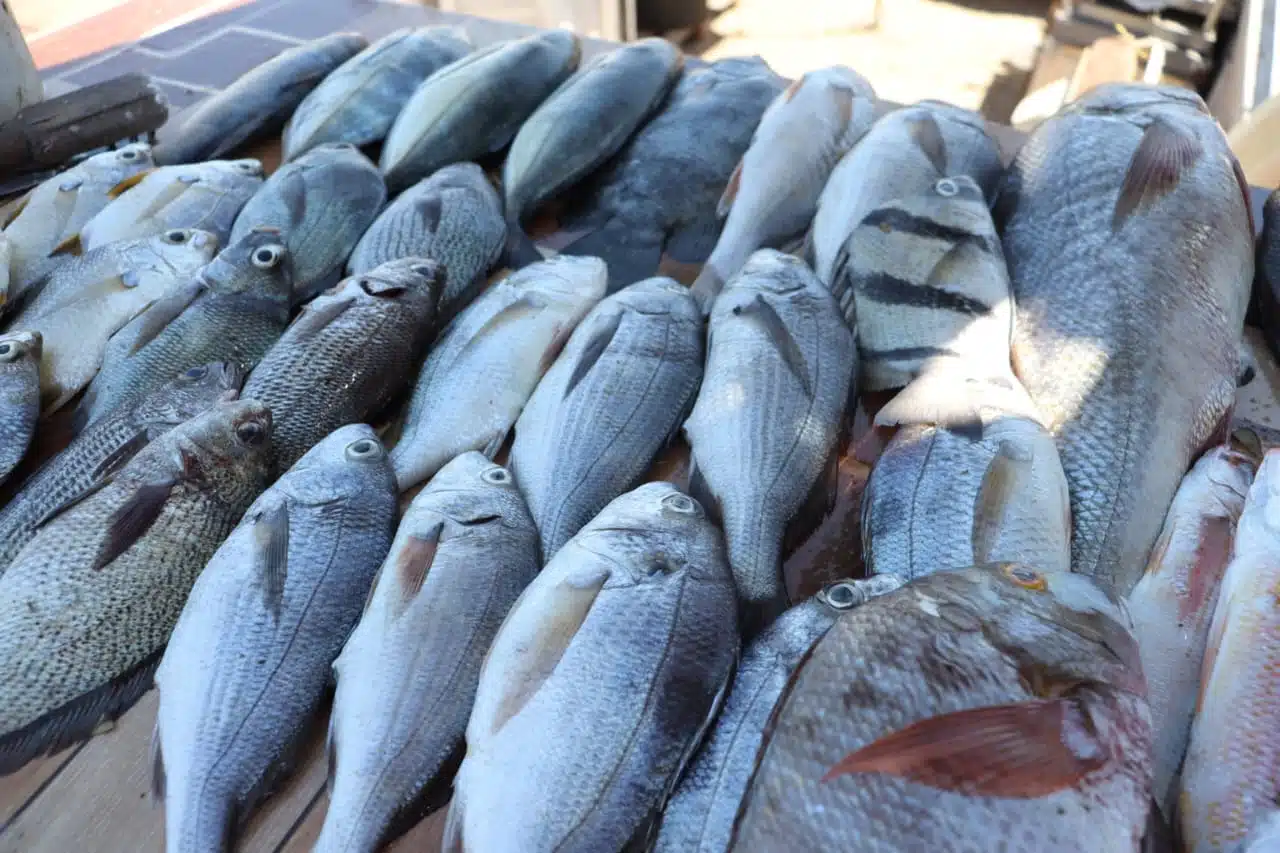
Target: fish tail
point(521, 251)
point(631, 255)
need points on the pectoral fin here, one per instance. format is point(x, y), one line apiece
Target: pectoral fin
point(13, 209)
point(1006, 473)
point(1165, 153)
point(730, 192)
point(762, 313)
point(526, 306)
point(133, 519)
point(926, 134)
point(128, 184)
point(414, 560)
point(315, 318)
point(602, 334)
point(271, 551)
point(70, 246)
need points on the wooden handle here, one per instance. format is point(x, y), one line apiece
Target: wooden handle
point(51, 132)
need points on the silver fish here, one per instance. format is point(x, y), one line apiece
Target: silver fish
point(616, 395)
point(585, 122)
point(776, 391)
point(464, 552)
point(250, 658)
point(322, 203)
point(347, 355)
point(358, 102)
point(773, 193)
point(474, 106)
point(903, 154)
point(88, 298)
point(103, 448)
point(971, 710)
point(699, 818)
point(1172, 605)
point(454, 217)
point(88, 604)
point(258, 103)
point(924, 278)
point(486, 364)
point(233, 310)
point(53, 213)
point(657, 198)
point(6, 261)
point(1129, 343)
point(600, 683)
point(19, 396)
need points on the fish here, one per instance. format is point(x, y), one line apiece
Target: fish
point(104, 447)
point(778, 390)
point(1129, 345)
point(464, 552)
point(87, 606)
point(1172, 604)
point(618, 393)
point(904, 153)
point(53, 213)
point(6, 259)
point(657, 197)
point(699, 818)
point(485, 365)
point(20, 396)
point(232, 310)
point(474, 106)
point(359, 101)
point(249, 661)
point(1264, 302)
point(322, 203)
point(347, 355)
point(582, 124)
point(925, 281)
point(84, 301)
point(949, 496)
point(204, 196)
point(773, 193)
point(258, 103)
point(971, 704)
point(454, 217)
point(1264, 837)
point(600, 684)
point(1228, 784)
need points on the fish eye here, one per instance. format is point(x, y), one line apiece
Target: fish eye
point(70, 184)
point(946, 188)
point(196, 373)
point(841, 595)
point(496, 475)
point(251, 433)
point(362, 448)
point(1027, 578)
point(9, 351)
point(189, 179)
point(423, 270)
point(176, 237)
point(249, 166)
point(129, 154)
point(268, 256)
point(682, 504)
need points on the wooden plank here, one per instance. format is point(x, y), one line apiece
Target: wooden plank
point(423, 838)
point(18, 789)
point(1109, 60)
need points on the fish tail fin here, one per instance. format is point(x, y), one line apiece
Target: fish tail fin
point(521, 251)
point(628, 259)
point(949, 396)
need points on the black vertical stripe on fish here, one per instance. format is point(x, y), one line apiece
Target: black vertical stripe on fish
point(889, 289)
point(896, 219)
point(905, 353)
point(927, 134)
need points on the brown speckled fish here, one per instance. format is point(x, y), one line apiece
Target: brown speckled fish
point(19, 396)
point(977, 709)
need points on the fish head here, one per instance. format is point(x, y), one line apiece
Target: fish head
point(659, 295)
point(110, 168)
point(416, 279)
point(348, 462)
point(180, 248)
point(945, 111)
point(1261, 516)
point(844, 595)
point(222, 175)
point(570, 278)
point(655, 531)
point(258, 264)
point(470, 490)
point(188, 394)
point(463, 176)
point(19, 349)
point(1228, 472)
point(769, 275)
point(1137, 99)
point(229, 444)
point(562, 47)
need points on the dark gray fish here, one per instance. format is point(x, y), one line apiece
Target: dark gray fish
point(111, 442)
point(257, 104)
point(233, 311)
point(611, 402)
point(454, 217)
point(19, 396)
point(348, 354)
point(660, 193)
point(250, 658)
point(1264, 307)
point(1129, 238)
point(88, 604)
point(359, 101)
point(322, 203)
point(474, 106)
point(584, 123)
point(699, 818)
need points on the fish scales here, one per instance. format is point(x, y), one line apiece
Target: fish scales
point(600, 683)
point(104, 446)
point(1131, 287)
point(87, 606)
point(613, 399)
point(19, 396)
point(985, 704)
point(250, 658)
point(775, 391)
point(347, 355)
point(359, 101)
point(466, 548)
